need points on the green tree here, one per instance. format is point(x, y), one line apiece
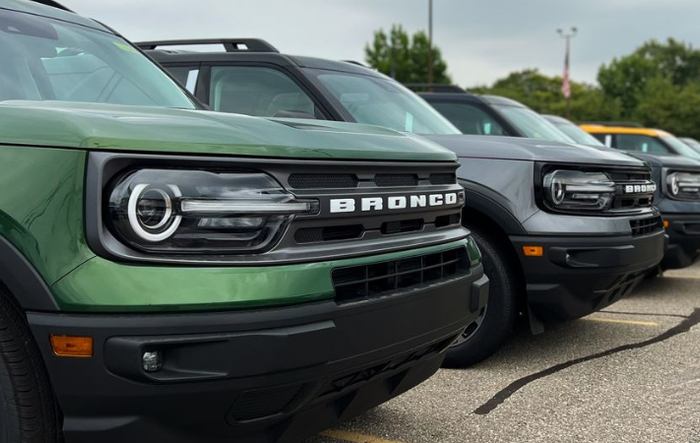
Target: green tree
point(543, 94)
point(625, 79)
point(405, 58)
point(670, 107)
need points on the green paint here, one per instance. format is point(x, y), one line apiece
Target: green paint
point(41, 207)
point(102, 285)
point(179, 131)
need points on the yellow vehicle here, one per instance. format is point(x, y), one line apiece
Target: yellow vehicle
point(640, 140)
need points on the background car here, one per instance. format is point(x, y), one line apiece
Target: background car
point(643, 140)
point(691, 142)
point(516, 204)
point(492, 115)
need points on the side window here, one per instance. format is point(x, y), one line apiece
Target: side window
point(258, 91)
point(468, 118)
point(185, 75)
point(605, 139)
point(640, 143)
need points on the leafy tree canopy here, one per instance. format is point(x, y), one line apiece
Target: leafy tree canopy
point(405, 57)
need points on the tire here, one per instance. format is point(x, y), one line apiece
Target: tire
point(27, 410)
point(496, 321)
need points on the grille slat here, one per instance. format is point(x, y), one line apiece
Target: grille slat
point(390, 180)
point(318, 181)
point(339, 181)
point(646, 226)
point(382, 279)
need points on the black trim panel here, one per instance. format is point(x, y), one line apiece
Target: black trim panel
point(23, 281)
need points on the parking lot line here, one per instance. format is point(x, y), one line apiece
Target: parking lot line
point(355, 437)
point(624, 322)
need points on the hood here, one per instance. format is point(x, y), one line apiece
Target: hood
point(179, 131)
point(526, 149)
point(669, 160)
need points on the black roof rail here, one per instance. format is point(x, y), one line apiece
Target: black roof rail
point(230, 44)
point(52, 3)
point(433, 87)
point(613, 123)
point(355, 62)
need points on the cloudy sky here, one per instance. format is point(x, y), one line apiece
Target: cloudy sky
point(481, 40)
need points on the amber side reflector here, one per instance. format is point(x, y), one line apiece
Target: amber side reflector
point(67, 346)
point(533, 251)
point(666, 224)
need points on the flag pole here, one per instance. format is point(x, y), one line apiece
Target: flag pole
point(430, 44)
point(566, 80)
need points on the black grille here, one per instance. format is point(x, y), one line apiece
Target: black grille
point(623, 202)
point(387, 180)
point(447, 220)
point(339, 181)
point(318, 181)
point(328, 233)
point(443, 179)
point(379, 279)
point(629, 176)
point(401, 226)
point(646, 226)
point(264, 402)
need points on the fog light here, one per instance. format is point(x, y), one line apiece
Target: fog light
point(152, 361)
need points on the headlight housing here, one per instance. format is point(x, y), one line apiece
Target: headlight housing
point(173, 211)
point(684, 186)
point(578, 190)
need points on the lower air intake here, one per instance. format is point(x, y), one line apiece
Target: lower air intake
point(391, 277)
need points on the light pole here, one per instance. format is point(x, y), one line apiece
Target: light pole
point(430, 44)
point(566, 82)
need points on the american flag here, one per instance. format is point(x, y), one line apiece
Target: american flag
point(565, 85)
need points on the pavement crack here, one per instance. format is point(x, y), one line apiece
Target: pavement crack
point(514, 387)
point(645, 314)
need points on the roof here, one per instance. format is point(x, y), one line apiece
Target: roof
point(36, 8)
point(254, 49)
point(451, 96)
point(599, 129)
point(471, 98)
point(557, 119)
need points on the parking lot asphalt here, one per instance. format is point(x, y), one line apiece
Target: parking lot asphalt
point(630, 373)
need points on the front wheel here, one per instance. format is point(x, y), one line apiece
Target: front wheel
point(27, 410)
point(495, 323)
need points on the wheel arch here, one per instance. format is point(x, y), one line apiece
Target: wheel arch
point(22, 281)
point(484, 213)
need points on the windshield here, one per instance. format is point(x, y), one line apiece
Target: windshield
point(692, 143)
point(46, 59)
point(382, 102)
point(577, 134)
point(680, 148)
point(531, 124)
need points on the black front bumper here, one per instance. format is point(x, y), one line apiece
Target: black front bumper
point(684, 241)
point(580, 275)
point(273, 375)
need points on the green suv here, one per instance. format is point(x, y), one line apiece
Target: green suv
point(169, 274)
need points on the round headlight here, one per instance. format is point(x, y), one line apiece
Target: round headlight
point(150, 211)
point(675, 185)
point(557, 191)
